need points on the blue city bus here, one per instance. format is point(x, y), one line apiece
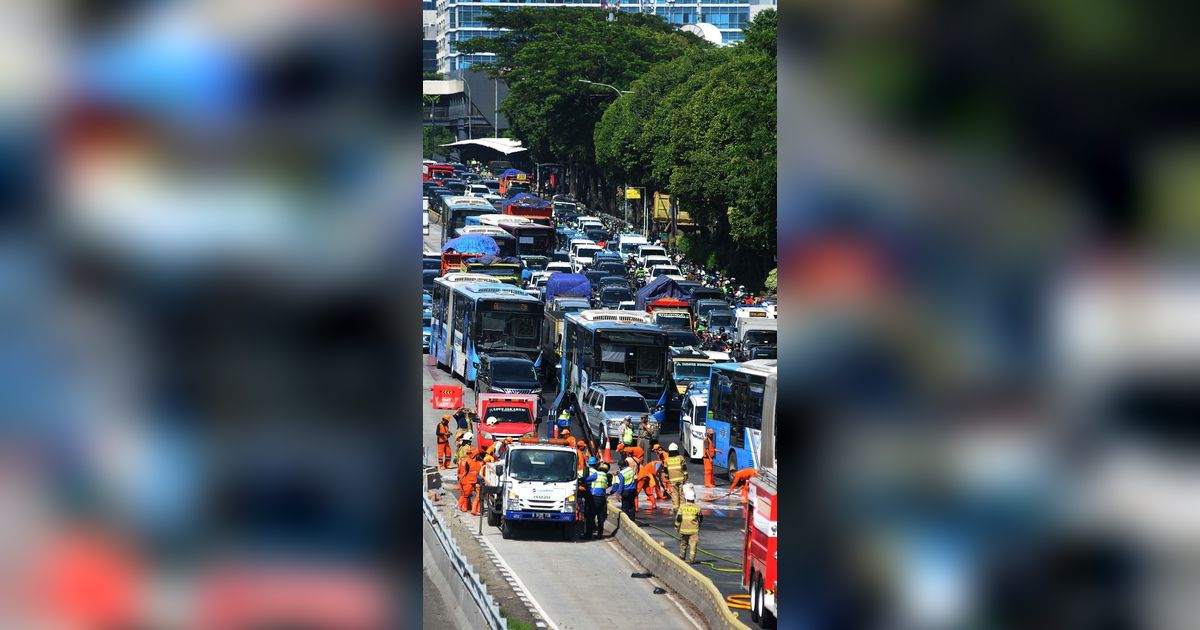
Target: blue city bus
point(741, 413)
point(490, 318)
point(442, 308)
point(458, 209)
point(614, 347)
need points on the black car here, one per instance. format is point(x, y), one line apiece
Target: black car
point(593, 276)
point(506, 374)
point(612, 296)
point(492, 184)
point(682, 338)
point(431, 262)
point(560, 255)
point(599, 236)
point(613, 268)
point(514, 190)
point(455, 186)
point(428, 276)
point(615, 281)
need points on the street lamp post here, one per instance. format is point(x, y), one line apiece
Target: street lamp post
point(619, 92)
point(467, 87)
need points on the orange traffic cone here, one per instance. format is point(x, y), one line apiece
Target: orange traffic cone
point(607, 452)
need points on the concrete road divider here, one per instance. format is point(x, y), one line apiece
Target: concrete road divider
point(687, 582)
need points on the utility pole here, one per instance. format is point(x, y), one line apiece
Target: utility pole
point(495, 108)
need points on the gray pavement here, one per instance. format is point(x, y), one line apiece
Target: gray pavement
point(434, 613)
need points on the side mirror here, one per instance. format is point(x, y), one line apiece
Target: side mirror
point(499, 469)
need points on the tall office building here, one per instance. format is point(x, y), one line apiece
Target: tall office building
point(428, 36)
point(459, 20)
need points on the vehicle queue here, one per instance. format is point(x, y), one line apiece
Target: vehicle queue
point(641, 346)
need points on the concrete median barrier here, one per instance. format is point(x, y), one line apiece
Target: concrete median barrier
point(687, 582)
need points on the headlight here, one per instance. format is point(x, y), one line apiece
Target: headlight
point(571, 499)
point(569, 506)
point(513, 495)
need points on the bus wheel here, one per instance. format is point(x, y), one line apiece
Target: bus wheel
point(731, 466)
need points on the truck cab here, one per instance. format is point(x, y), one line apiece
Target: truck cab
point(534, 482)
point(670, 314)
point(516, 415)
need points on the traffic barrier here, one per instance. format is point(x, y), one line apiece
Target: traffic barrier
point(687, 582)
point(446, 396)
point(455, 578)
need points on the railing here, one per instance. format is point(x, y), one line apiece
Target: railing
point(458, 563)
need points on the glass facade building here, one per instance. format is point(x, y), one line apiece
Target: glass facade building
point(459, 20)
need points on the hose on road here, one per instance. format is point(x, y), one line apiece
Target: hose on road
point(738, 601)
point(702, 550)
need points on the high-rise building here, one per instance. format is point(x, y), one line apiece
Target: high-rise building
point(428, 36)
point(459, 20)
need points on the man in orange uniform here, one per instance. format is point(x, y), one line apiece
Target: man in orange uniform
point(468, 479)
point(742, 477)
point(582, 448)
point(443, 443)
point(631, 451)
point(710, 451)
point(481, 459)
point(661, 486)
point(566, 435)
point(647, 481)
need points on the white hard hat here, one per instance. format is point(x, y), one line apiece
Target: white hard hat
point(468, 435)
point(492, 420)
point(689, 493)
point(673, 447)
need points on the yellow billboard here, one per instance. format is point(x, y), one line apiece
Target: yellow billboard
point(633, 193)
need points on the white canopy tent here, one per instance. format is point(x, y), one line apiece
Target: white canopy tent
point(507, 146)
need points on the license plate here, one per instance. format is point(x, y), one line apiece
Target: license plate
point(540, 515)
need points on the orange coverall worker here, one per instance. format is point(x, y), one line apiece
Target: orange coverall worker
point(632, 451)
point(647, 481)
point(468, 480)
point(443, 443)
point(581, 447)
point(710, 451)
point(661, 488)
point(742, 478)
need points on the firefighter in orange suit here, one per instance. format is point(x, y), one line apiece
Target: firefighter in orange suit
point(710, 451)
point(443, 443)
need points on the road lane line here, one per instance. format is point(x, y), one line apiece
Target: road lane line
point(669, 593)
point(523, 588)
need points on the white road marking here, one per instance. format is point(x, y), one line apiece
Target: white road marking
point(500, 559)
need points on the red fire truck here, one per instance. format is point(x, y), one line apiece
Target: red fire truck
point(515, 415)
point(436, 172)
point(760, 550)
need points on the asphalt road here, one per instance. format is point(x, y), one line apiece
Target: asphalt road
point(434, 613)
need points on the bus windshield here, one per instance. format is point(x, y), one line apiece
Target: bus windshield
point(677, 321)
point(504, 330)
point(631, 358)
point(692, 370)
point(541, 465)
point(534, 242)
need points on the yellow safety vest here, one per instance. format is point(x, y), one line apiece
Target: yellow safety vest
point(689, 518)
point(601, 481)
point(627, 476)
point(627, 436)
point(675, 470)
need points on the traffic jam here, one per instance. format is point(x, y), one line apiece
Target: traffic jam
point(582, 367)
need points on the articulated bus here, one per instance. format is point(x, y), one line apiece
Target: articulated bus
point(488, 318)
point(443, 311)
point(456, 213)
point(614, 347)
point(741, 413)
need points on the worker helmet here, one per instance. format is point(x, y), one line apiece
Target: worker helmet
point(591, 461)
point(446, 417)
point(689, 492)
point(673, 448)
point(566, 432)
point(467, 436)
point(711, 432)
point(492, 420)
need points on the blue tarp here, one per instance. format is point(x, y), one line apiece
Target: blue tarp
point(661, 287)
point(472, 244)
point(574, 284)
point(512, 171)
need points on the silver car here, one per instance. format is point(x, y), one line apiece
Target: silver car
point(606, 405)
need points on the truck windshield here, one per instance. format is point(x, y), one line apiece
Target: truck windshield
point(721, 318)
point(508, 414)
point(538, 465)
point(673, 321)
point(761, 337)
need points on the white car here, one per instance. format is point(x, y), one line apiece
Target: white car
point(665, 270)
point(559, 267)
point(583, 257)
point(478, 190)
point(650, 262)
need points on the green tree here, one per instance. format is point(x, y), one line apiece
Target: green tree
point(432, 139)
point(544, 56)
point(772, 283)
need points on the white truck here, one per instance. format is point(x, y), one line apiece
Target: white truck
point(758, 336)
point(534, 482)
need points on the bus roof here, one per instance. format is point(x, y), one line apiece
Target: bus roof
point(505, 219)
point(458, 277)
point(760, 367)
point(495, 290)
point(485, 230)
point(612, 315)
point(614, 325)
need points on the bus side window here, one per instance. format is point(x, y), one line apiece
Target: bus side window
point(754, 405)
